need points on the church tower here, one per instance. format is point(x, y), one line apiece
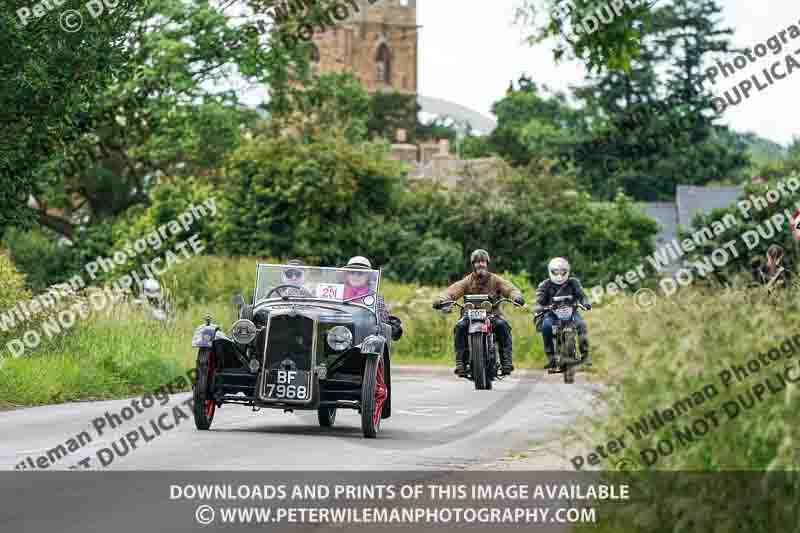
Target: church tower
point(378, 45)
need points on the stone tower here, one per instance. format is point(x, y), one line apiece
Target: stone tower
point(378, 45)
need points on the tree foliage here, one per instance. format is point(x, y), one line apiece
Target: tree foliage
point(50, 80)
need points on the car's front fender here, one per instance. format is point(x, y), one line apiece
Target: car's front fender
point(204, 336)
point(373, 345)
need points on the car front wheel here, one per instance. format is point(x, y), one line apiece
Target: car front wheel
point(204, 406)
point(373, 395)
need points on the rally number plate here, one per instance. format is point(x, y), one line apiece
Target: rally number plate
point(477, 314)
point(287, 385)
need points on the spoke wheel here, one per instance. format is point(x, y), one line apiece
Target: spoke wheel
point(373, 395)
point(326, 416)
point(204, 406)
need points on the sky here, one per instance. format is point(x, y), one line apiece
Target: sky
point(470, 51)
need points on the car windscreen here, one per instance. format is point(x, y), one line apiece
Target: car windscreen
point(335, 284)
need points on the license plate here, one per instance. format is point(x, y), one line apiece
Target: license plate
point(476, 314)
point(565, 313)
point(287, 385)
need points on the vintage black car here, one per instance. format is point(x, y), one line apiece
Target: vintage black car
point(310, 339)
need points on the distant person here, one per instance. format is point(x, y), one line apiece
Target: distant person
point(560, 283)
point(773, 273)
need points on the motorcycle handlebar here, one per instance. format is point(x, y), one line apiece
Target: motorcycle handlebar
point(442, 305)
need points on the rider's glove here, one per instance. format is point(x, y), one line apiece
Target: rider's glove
point(519, 300)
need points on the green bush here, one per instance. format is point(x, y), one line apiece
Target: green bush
point(12, 283)
point(41, 257)
point(285, 198)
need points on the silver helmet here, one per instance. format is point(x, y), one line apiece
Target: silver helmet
point(558, 268)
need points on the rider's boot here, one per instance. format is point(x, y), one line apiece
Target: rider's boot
point(459, 371)
point(551, 360)
point(587, 357)
point(505, 362)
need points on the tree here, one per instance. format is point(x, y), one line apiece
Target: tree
point(164, 115)
point(533, 123)
point(659, 131)
point(312, 199)
point(50, 80)
point(601, 45)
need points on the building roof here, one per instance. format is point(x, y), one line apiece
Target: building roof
point(691, 200)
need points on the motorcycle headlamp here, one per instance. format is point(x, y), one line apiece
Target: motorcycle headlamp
point(339, 338)
point(243, 331)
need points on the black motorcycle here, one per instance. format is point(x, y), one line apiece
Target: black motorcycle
point(482, 365)
point(564, 333)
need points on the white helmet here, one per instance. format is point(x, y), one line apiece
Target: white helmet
point(359, 262)
point(558, 268)
point(151, 288)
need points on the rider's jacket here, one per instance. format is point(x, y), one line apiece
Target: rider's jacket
point(547, 290)
point(492, 284)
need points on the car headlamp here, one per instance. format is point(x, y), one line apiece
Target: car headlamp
point(487, 305)
point(340, 338)
point(469, 305)
point(243, 331)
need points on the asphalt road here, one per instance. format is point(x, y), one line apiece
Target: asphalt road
point(438, 422)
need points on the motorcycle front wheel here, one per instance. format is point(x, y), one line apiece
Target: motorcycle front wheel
point(477, 350)
point(569, 356)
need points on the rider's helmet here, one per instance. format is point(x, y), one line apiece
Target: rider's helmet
point(293, 276)
point(478, 255)
point(151, 290)
point(558, 268)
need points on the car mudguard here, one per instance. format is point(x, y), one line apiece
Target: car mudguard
point(373, 345)
point(204, 336)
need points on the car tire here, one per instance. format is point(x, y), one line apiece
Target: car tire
point(569, 356)
point(326, 416)
point(204, 408)
point(477, 351)
point(373, 396)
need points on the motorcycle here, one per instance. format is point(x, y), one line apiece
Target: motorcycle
point(564, 332)
point(481, 367)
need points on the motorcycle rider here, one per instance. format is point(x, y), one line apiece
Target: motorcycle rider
point(559, 283)
point(357, 285)
point(773, 273)
point(481, 281)
point(154, 298)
